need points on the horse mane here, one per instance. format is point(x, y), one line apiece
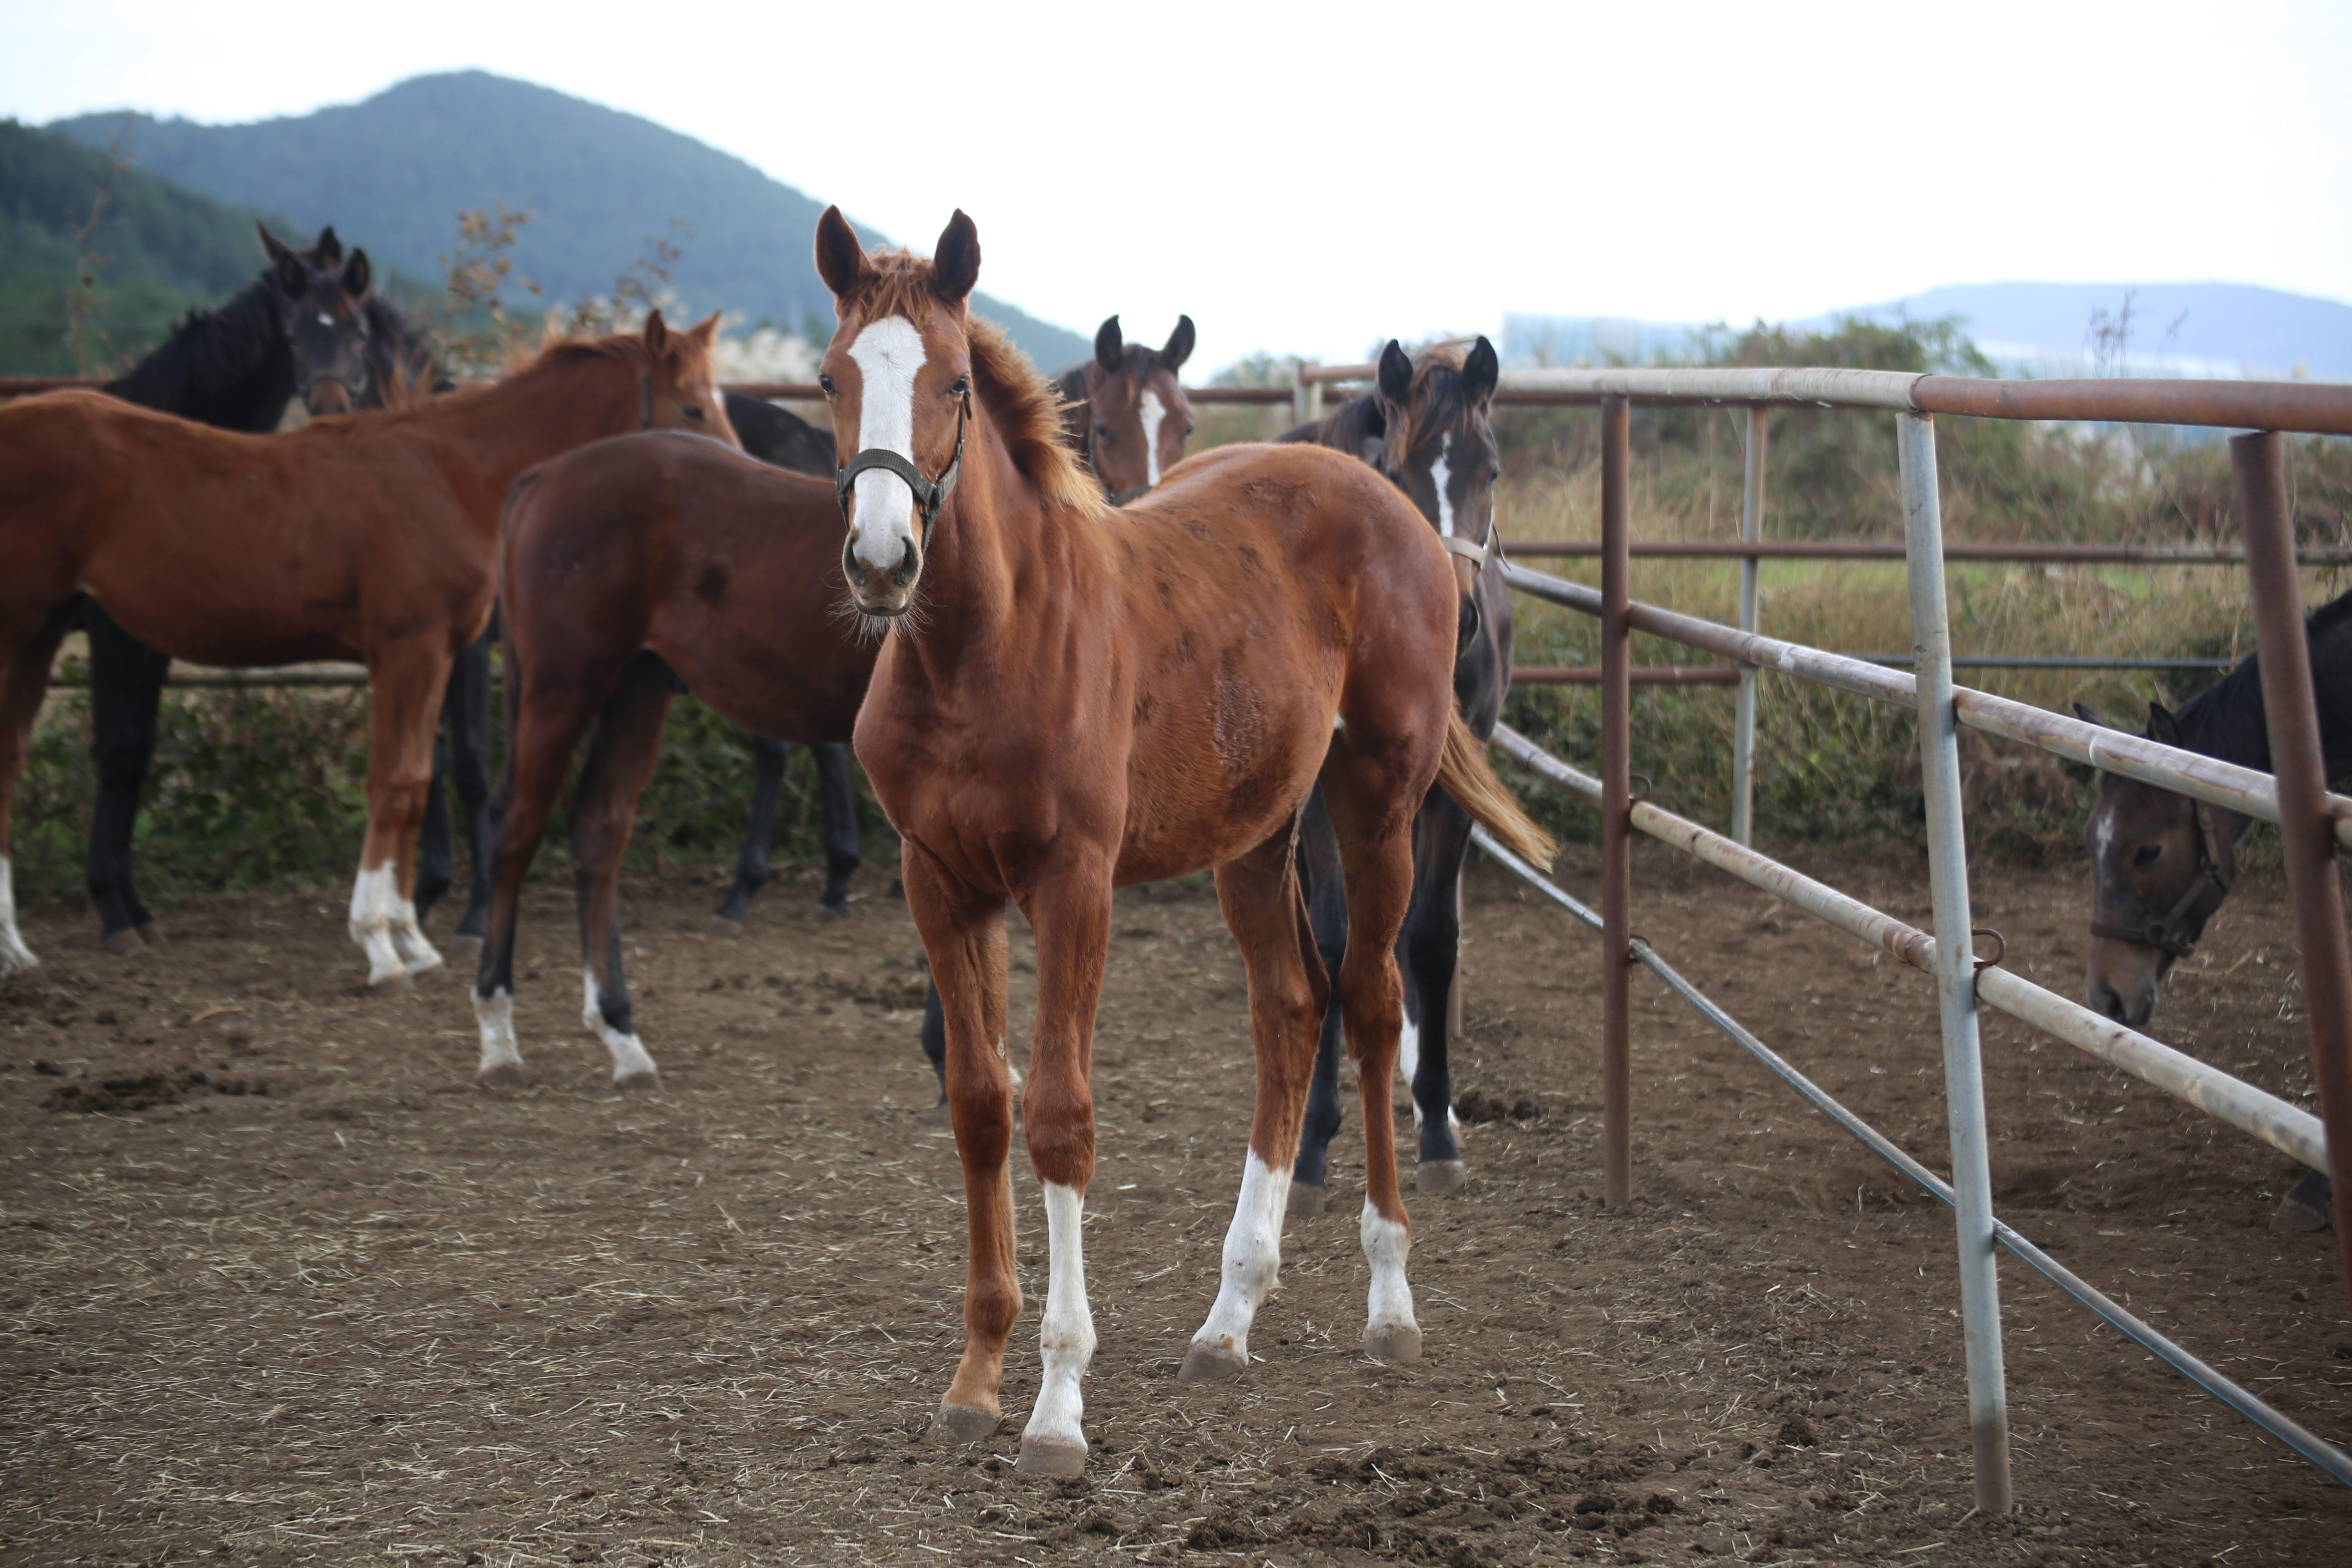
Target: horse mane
point(208, 353)
point(401, 363)
point(1029, 410)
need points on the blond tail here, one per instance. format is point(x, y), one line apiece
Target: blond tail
point(1462, 770)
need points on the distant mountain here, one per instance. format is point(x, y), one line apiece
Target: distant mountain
point(157, 250)
point(394, 172)
point(2186, 328)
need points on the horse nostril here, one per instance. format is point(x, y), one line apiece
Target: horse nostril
point(908, 566)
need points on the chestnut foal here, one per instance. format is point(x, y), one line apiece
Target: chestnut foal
point(1067, 702)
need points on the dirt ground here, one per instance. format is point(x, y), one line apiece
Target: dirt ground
point(364, 1309)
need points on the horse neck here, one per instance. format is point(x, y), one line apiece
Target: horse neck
point(995, 546)
point(227, 367)
point(538, 412)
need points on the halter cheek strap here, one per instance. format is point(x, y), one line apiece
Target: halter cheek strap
point(930, 495)
point(2172, 931)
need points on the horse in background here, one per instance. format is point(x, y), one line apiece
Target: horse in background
point(2161, 863)
point(365, 536)
point(310, 327)
point(1424, 425)
point(1126, 412)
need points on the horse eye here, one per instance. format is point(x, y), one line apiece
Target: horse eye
point(1492, 475)
point(962, 387)
point(1102, 431)
point(2147, 854)
point(825, 382)
point(1187, 432)
point(690, 410)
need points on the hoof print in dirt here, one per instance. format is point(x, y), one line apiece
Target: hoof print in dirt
point(962, 1424)
point(1211, 1363)
point(141, 1091)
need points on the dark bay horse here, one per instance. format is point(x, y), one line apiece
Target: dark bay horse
point(1426, 424)
point(367, 536)
point(1071, 699)
point(1126, 411)
point(2161, 863)
point(631, 568)
point(312, 327)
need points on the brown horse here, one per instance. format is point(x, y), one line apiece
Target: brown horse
point(623, 562)
point(369, 536)
point(1070, 700)
point(1126, 410)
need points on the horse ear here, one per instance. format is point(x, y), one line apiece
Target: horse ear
point(840, 259)
point(705, 330)
point(357, 273)
point(1481, 373)
point(955, 260)
point(2161, 725)
point(292, 275)
point(1396, 374)
point(2090, 715)
point(329, 249)
point(1180, 345)
point(656, 335)
point(1110, 346)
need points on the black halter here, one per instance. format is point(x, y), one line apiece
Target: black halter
point(930, 495)
point(2214, 871)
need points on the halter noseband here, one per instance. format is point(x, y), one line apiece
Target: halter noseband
point(930, 495)
point(2169, 931)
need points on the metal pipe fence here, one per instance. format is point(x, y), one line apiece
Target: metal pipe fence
point(2315, 821)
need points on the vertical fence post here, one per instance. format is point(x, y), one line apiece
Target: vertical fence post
point(1743, 723)
point(1956, 980)
point(2297, 763)
point(1616, 807)
point(1306, 394)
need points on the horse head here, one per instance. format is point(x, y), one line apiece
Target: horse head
point(1438, 444)
point(1137, 417)
point(677, 389)
point(899, 378)
point(2160, 864)
point(323, 298)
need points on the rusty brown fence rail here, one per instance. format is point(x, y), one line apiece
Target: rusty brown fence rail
point(2313, 822)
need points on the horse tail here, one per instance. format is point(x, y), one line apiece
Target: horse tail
point(502, 620)
point(1468, 777)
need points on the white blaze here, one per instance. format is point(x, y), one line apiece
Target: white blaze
point(1151, 413)
point(14, 956)
point(887, 354)
point(1440, 474)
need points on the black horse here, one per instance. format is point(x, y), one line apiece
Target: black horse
point(312, 327)
point(2161, 864)
point(1426, 427)
point(774, 435)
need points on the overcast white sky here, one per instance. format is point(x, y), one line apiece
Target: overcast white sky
point(1309, 179)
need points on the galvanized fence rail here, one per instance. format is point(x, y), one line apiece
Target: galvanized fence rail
point(2313, 822)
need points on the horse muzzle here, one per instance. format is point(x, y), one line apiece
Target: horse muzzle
point(329, 394)
point(2122, 979)
point(883, 592)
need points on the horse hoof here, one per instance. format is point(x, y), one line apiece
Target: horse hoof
point(151, 935)
point(1307, 1197)
point(1441, 1176)
point(722, 926)
point(123, 943)
point(2298, 1218)
point(962, 1424)
point(1393, 1342)
point(393, 983)
point(1205, 1362)
point(645, 1080)
point(465, 951)
point(832, 911)
point(1052, 1457)
point(506, 1074)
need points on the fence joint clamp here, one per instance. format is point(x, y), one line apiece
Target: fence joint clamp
point(2001, 947)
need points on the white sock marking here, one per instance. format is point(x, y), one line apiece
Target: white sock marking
point(887, 354)
point(374, 896)
point(1252, 1256)
point(495, 1014)
point(1152, 412)
point(14, 956)
point(1440, 474)
point(1066, 1336)
point(1386, 1243)
point(630, 1056)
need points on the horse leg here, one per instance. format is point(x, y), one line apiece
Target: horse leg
point(24, 682)
point(2309, 1206)
point(1260, 896)
point(404, 697)
point(435, 866)
point(841, 857)
point(1326, 907)
point(1069, 907)
point(544, 726)
point(1428, 948)
point(466, 720)
point(751, 873)
point(935, 1037)
point(963, 934)
point(1376, 838)
point(603, 810)
point(126, 689)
